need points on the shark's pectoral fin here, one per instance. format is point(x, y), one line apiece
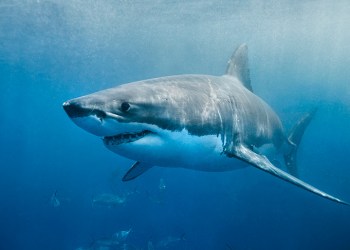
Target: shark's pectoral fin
point(261, 162)
point(137, 169)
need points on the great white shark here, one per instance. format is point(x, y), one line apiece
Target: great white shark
point(200, 122)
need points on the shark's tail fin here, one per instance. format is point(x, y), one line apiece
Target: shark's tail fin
point(294, 139)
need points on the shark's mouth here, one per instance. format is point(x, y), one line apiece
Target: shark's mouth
point(125, 138)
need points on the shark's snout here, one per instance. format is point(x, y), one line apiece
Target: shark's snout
point(71, 109)
point(74, 109)
point(90, 117)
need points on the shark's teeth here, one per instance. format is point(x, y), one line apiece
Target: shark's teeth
point(125, 137)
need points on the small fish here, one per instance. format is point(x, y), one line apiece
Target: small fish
point(170, 240)
point(162, 185)
point(150, 245)
point(121, 235)
point(55, 202)
point(109, 200)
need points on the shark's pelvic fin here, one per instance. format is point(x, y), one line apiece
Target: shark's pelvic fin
point(261, 162)
point(137, 169)
point(294, 139)
point(238, 66)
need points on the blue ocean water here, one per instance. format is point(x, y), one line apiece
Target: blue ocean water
point(52, 51)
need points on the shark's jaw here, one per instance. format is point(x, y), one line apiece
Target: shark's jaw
point(135, 141)
point(125, 137)
point(113, 132)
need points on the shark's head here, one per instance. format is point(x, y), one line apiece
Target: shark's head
point(123, 114)
point(113, 111)
point(133, 118)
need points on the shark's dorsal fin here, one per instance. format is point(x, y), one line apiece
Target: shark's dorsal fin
point(238, 67)
point(137, 169)
point(261, 162)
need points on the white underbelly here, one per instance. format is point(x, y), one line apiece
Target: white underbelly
point(180, 149)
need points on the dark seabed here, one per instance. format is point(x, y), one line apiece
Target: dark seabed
point(54, 173)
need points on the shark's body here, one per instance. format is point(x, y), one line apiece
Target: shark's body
point(199, 122)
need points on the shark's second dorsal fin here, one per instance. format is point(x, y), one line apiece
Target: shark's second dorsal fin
point(238, 66)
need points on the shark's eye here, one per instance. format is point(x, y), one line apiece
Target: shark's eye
point(125, 107)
